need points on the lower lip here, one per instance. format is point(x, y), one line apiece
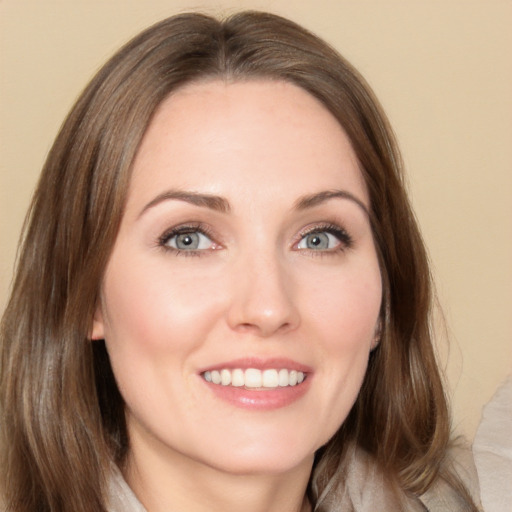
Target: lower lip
point(262, 399)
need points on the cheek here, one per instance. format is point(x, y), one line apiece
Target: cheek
point(153, 308)
point(346, 307)
point(155, 320)
point(345, 313)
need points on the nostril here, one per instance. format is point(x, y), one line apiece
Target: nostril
point(263, 329)
point(262, 306)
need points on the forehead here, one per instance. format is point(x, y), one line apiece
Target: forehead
point(220, 137)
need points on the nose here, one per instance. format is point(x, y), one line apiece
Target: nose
point(263, 301)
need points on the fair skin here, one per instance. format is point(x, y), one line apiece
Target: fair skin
point(245, 245)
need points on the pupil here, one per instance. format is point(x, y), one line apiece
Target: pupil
point(187, 241)
point(318, 241)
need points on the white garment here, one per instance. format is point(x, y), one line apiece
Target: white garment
point(121, 497)
point(492, 449)
point(366, 489)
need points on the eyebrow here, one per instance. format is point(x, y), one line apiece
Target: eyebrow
point(212, 202)
point(313, 200)
point(222, 205)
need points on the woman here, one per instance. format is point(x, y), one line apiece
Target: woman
point(222, 296)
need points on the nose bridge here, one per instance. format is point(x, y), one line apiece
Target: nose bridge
point(262, 301)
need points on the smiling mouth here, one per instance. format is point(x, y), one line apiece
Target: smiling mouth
point(253, 378)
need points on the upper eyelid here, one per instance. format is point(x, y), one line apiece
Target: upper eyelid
point(184, 228)
point(321, 227)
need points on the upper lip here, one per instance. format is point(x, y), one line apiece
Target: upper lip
point(260, 364)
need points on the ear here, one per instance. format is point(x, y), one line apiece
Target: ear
point(377, 336)
point(97, 331)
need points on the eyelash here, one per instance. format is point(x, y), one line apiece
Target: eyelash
point(346, 241)
point(200, 228)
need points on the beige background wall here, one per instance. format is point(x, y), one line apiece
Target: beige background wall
point(443, 71)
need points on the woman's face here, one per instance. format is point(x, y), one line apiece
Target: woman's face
point(244, 256)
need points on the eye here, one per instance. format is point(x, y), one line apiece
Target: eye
point(186, 239)
point(318, 241)
point(325, 239)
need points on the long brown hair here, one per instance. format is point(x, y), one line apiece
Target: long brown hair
point(62, 417)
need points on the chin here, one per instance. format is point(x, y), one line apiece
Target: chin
point(263, 464)
point(275, 455)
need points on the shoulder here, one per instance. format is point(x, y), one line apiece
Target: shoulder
point(360, 485)
point(445, 495)
point(492, 449)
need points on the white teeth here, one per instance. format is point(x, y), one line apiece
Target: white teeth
point(254, 378)
point(270, 379)
point(283, 378)
point(237, 378)
point(225, 377)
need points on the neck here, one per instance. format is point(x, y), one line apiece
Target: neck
point(178, 483)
